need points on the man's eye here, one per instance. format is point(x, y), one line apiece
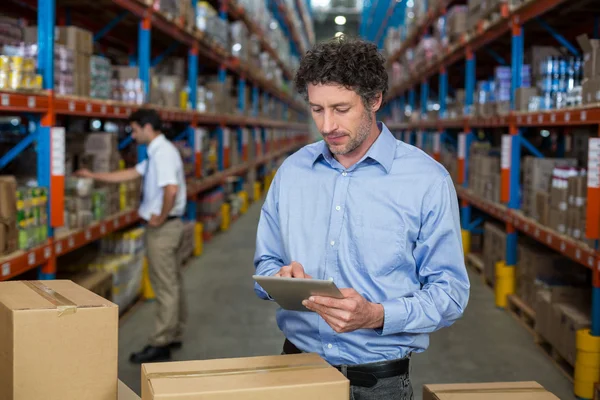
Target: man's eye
point(343, 111)
point(315, 110)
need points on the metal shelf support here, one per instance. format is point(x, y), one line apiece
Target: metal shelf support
point(109, 27)
point(517, 61)
point(469, 81)
point(558, 37)
point(424, 98)
point(191, 206)
point(144, 54)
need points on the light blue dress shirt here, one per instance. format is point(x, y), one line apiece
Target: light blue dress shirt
point(387, 227)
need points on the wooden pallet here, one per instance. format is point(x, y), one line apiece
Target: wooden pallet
point(549, 351)
point(522, 312)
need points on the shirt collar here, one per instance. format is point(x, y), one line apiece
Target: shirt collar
point(153, 146)
point(383, 151)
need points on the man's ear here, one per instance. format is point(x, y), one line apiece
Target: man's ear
point(377, 101)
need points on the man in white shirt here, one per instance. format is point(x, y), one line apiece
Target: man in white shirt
point(162, 205)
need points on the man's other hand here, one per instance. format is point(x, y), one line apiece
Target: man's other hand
point(348, 314)
point(294, 270)
point(84, 173)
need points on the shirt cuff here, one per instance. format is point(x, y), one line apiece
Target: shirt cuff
point(395, 314)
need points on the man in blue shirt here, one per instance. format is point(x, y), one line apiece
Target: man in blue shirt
point(375, 215)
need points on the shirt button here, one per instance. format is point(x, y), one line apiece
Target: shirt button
point(344, 173)
point(332, 243)
point(329, 346)
point(338, 208)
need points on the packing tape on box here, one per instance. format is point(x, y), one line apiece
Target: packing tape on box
point(235, 371)
point(62, 304)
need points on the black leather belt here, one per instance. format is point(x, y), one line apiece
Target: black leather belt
point(172, 217)
point(365, 375)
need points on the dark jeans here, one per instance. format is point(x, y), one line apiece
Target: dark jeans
point(394, 388)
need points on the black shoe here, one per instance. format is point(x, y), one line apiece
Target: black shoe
point(175, 345)
point(151, 354)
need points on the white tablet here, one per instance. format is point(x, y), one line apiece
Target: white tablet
point(289, 293)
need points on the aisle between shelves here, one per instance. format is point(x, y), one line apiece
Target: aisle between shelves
point(540, 103)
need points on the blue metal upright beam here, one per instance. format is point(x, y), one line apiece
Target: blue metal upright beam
point(46, 24)
point(424, 98)
point(443, 93)
point(255, 100)
point(144, 55)
point(517, 62)
point(241, 95)
point(412, 100)
point(469, 82)
point(193, 77)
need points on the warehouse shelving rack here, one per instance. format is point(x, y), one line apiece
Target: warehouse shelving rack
point(510, 21)
point(45, 107)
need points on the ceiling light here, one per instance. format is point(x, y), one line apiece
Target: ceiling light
point(545, 133)
point(338, 34)
point(340, 20)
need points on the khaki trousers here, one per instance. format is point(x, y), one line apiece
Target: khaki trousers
point(165, 271)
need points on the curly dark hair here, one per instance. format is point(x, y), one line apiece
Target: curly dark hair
point(350, 62)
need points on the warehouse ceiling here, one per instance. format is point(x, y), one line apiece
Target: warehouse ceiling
point(325, 12)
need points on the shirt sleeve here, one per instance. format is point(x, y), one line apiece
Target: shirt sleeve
point(440, 267)
point(141, 167)
point(166, 173)
point(268, 258)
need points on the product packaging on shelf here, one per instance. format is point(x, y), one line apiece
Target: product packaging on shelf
point(293, 377)
point(59, 342)
point(8, 210)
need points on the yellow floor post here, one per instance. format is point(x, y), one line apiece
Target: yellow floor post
point(466, 241)
point(147, 291)
point(225, 216)
point(587, 363)
point(505, 283)
point(244, 197)
point(198, 239)
point(257, 193)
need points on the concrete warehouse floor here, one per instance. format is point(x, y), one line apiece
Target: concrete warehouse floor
point(227, 320)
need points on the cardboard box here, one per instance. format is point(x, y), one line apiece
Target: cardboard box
point(290, 377)
point(124, 393)
point(522, 97)
point(591, 58)
point(573, 318)
point(101, 143)
point(590, 90)
point(487, 391)
point(59, 342)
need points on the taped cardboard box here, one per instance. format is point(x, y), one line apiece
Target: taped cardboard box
point(487, 391)
point(290, 377)
point(591, 58)
point(8, 215)
point(59, 342)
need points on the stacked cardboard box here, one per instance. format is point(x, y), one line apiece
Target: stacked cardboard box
point(537, 178)
point(591, 69)
point(79, 203)
point(58, 341)
point(127, 86)
point(484, 172)
point(8, 215)
point(536, 266)
point(11, 30)
point(80, 42)
point(102, 149)
point(494, 249)
point(209, 210)
point(456, 23)
point(293, 377)
point(561, 311)
point(166, 90)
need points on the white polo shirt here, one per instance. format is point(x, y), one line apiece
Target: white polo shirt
point(165, 168)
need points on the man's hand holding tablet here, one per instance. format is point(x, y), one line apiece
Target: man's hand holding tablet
point(345, 310)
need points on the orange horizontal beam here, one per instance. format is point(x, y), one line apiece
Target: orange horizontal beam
point(577, 251)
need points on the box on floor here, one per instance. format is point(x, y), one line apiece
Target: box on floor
point(487, 391)
point(293, 377)
point(59, 342)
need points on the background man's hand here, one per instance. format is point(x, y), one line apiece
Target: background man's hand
point(348, 314)
point(294, 270)
point(155, 221)
point(84, 173)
